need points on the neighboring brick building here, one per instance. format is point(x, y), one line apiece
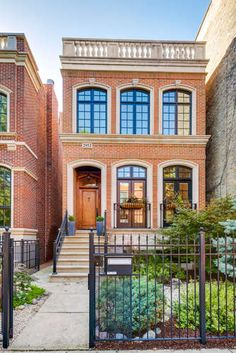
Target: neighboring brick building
point(30, 180)
point(218, 29)
point(133, 125)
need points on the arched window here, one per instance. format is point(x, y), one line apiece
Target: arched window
point(92, 111)
point(135, 112)
point(177, 113)
point(131, 186)
point(3, 112)
point(177, 183)
point(5, 197)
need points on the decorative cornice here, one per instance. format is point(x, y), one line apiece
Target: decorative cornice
point(25, 170)
point(134, 139)
point(11, 144)
point(22, 59)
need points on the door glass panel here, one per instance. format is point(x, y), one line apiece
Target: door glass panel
point(184, 193)
point(138, 189)
point(138, 216)
point(169, 197)
point(124, 191)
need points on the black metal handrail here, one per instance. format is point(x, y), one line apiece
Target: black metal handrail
point(63, 231)
point(117, 207)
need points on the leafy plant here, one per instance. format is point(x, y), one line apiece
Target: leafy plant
point(71, 218)
point(188, 221)
point(24, 291)
point(129, 306)
point(220, 306)
point(154, 267)
point(99, 219)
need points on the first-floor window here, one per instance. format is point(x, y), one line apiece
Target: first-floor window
point(177, 183)
point(5, 197)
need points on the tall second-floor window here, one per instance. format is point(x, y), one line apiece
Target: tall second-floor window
point(3, 112)
point(92, 111)
point(176, 113)
point(135, 112)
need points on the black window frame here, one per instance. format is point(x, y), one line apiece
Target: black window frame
point(176, 104)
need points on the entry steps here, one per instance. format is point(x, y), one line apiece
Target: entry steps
point(73, 260)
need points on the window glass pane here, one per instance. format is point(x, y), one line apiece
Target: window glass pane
point(169, 97)
point(138, 190)
point(124, 172)
point(185, 173)
point(124, 192)
point(3, 112)
point(139, 172)
point(170, 172)
point(92, 111)
point(183, 97)
point(5, 197)
point(134, 116)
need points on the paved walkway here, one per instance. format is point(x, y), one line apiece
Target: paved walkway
point(62, 321)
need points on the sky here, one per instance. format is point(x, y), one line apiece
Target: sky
point(45, 22)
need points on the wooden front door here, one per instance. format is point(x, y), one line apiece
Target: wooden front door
point(87, 200)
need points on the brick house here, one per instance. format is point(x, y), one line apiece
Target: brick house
point(30, 178)
point(133, 129)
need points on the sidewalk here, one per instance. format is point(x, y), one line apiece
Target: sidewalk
point(143, 351)
point(62, 321)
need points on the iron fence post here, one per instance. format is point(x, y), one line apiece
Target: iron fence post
point(202, 285)
point(22, 246)
point(5, 289)
point(11, 284)
point(91, 286)
point(37, 255)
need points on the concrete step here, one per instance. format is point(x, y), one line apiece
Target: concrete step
point(73, 268)
point(72, 248)
point(78, 254)
point(68, 277)
point(72, 261)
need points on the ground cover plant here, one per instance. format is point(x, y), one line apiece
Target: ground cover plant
point(24, 291)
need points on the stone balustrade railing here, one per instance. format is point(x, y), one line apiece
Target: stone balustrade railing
point(7, 42)
point(134, 49)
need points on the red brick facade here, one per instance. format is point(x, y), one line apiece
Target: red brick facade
point(30, 148)
point(112, 149)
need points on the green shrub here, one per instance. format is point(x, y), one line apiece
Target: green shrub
point(153, 267)
point(219, 312)
point(188, 222)
point(24, 291)
point(129, 306)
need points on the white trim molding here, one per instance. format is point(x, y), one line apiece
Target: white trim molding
point(70, 187)
point(195, 182)
point(90, 84)
point(149, 184)
point(7, 92)
point(179, 85)
point(133, 85)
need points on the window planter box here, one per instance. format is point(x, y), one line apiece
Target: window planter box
point(132, 205)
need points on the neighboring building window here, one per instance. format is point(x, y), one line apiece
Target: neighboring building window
point(92, 111)
point(177, 183)
point(5, 197)
point(3, 112)
point(135, 112)
point(176, 113)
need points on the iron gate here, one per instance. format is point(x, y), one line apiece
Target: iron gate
point(156, 288)
point(6, 282)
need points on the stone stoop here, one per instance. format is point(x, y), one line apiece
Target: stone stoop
point(73, 260)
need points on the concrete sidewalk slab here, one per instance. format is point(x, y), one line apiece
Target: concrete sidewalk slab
point(62, 321)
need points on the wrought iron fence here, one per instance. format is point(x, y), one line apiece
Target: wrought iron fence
point(26, 252)
point(6, 292)
point(147, 288)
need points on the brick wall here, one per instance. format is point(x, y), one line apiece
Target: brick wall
point(35, 164)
